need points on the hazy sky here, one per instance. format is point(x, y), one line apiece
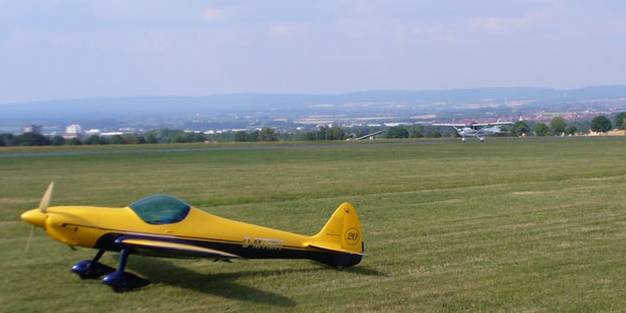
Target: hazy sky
point(78, 48)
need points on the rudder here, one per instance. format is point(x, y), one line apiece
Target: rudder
point(342, 232)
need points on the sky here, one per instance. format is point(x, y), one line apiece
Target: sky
point(57, 49)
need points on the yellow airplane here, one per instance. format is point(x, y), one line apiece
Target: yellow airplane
point(165, 226)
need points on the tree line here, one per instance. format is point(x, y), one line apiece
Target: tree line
point(558, 126)
point(160, 136)
point(149, 137)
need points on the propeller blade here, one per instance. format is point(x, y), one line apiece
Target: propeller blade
point(30, 237)
point(45, 201)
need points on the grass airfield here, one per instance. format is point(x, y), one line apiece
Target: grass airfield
point(512, 225)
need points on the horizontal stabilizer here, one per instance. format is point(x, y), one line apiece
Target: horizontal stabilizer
point(334, 249)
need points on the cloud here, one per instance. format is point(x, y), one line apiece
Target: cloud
point(504, 23)
point(284, 30)
point(213, 14)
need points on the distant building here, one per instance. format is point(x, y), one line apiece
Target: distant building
point(34, 129)
point(613, 132)
point(92, 132)
point(73, 131)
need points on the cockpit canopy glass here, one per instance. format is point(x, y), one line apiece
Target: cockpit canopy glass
point(161, 209)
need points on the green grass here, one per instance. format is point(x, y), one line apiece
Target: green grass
point(535, 225)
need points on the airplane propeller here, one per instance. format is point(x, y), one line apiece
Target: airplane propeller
point(43, 208)
point(30, 237)
point(45, 201)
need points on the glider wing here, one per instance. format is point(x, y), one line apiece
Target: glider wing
point(493, 124)
point(450, 125)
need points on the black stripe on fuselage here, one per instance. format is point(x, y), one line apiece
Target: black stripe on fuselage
point(108, 242)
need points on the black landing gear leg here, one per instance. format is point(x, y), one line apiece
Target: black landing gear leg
point(91, 269)
point(122, 281)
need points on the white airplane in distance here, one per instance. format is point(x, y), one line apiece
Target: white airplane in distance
point(478, 130)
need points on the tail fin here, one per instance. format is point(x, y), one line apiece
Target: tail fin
point(342, 232)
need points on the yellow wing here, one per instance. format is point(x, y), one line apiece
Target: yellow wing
point(154, 246)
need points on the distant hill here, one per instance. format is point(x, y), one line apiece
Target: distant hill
point(363, 102)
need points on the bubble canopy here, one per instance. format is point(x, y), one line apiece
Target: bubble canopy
point(161, 209)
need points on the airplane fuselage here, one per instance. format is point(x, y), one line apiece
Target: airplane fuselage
point(103, 228)
point(479, 133)
point(165, 226)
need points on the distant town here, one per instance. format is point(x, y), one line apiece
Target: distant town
point(578, 124)
point(258, 117)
